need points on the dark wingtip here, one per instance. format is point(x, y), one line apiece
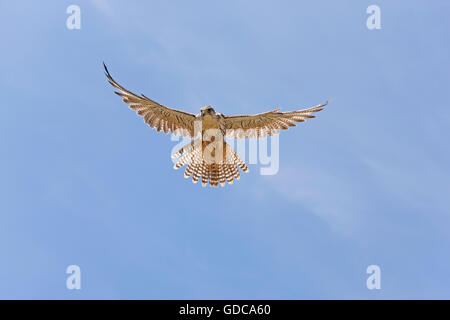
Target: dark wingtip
point(106, 69)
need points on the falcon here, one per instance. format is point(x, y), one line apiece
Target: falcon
point(208, 158)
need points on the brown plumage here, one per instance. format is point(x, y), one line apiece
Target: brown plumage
point(199, 165)
point(208, 158)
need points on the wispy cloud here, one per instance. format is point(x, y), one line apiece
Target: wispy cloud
point(104, 7)
point(332, 199)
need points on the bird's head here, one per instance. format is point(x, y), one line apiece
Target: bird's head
point(207, 110)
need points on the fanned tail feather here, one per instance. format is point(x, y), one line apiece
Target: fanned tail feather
point(216, 172)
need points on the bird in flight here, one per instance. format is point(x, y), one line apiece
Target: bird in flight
point(208, 157)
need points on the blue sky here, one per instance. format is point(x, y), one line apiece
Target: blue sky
point(84, 181)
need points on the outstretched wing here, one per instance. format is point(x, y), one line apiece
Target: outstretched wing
point(268, 123)
point(155, 115)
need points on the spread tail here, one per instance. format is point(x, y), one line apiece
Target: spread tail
point(206, 162)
